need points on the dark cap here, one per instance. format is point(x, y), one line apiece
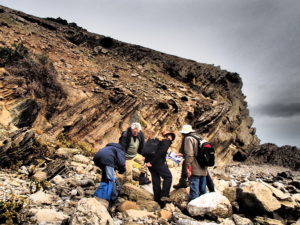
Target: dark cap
point(169, 133)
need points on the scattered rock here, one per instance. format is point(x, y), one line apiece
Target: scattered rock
point(267, 221)
point(241, 220)
point(67, 152)
point(128, 205)
point(255, 197)
point(91, 211)
point(81, 159)
point(41, 197)
point(48, 216)
point(164, 214)
point(40, 176)
point(212, 204)
point(138, 214)
point(135, 193)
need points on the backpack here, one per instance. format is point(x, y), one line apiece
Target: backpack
point(150, 147)
point(206, 153)
point(104, 190)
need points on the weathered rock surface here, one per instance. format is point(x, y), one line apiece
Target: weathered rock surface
point(91, 211)
point(213, 204)
point(135, 193)
point(67, 82)
point(288, 156)
point(48, 216)
point(256, 196)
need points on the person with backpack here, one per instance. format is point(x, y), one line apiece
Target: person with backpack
point(132, 140)
point(108, 159)
point(195, 171)
point(183, 180)
point(158, 168)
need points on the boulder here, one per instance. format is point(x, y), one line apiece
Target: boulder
point(81, 159)
point(40, 176)
point(230, 193)
point(180, 197)
point(164, 214)
point(267, 221)
point(41, 197)
point(128, 205)
point(135, 193)
point(193, 222)
point(58, 179)
point(67, 152)
point(256, 197)
point(212, 204)
point(48, 216)
point(149, 205)
point(91, 211)
point(138, 214)
point(278, 193)
point(228, 221)
point(241, 220)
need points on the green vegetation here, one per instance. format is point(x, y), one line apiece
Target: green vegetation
point(67, 142)
point(10, 209)
point(15, 53)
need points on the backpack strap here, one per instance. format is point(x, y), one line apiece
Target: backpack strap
point(199, 139)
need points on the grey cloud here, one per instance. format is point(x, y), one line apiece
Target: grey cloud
point(281, 109)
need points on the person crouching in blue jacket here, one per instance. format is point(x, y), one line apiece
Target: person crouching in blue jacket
point(109, 158)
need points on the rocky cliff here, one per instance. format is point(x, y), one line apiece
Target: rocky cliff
point(60, 80)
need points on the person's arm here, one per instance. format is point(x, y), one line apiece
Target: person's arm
point(120, 154)
point(189, 154)
point(142, 142)
point(123, 140)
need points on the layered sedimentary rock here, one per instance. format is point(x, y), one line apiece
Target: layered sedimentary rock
point(60, 80)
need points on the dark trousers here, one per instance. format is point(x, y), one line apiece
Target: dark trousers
point(209, 181)
point(158, 172)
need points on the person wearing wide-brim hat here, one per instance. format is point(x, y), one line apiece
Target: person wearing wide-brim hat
point(158, 168)
point(191, 168)
point(183, 181)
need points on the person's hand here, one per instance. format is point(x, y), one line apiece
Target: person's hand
point(148, 164)
point(179, 154)
point(189, 171)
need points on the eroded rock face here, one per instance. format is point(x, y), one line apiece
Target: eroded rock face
point(93, 87)
point(288, 156)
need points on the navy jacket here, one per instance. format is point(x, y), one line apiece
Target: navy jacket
point(126, 137)
point(112, 155)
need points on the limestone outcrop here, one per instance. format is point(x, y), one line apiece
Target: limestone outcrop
point(63, 81)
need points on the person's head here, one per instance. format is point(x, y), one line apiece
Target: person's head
point(135, 128)
point(169, 135)
point(186, 129)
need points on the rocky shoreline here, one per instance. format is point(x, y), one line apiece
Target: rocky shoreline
point(245, 194)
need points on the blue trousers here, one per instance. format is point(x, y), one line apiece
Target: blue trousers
point(197, 186)
point(108, 176)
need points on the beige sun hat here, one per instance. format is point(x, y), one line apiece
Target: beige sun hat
point(186, 129)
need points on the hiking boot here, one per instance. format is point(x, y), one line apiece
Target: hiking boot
point(143, 179)
point(182, 184)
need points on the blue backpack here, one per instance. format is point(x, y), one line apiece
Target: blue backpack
point(104, 190)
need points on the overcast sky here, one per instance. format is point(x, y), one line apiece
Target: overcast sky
point(259, 39)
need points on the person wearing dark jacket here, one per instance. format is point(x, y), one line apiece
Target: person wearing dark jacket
point(158, 168)
point(109, 158)
point(132, 140)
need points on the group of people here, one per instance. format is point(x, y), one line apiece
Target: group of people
point(121, 156)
